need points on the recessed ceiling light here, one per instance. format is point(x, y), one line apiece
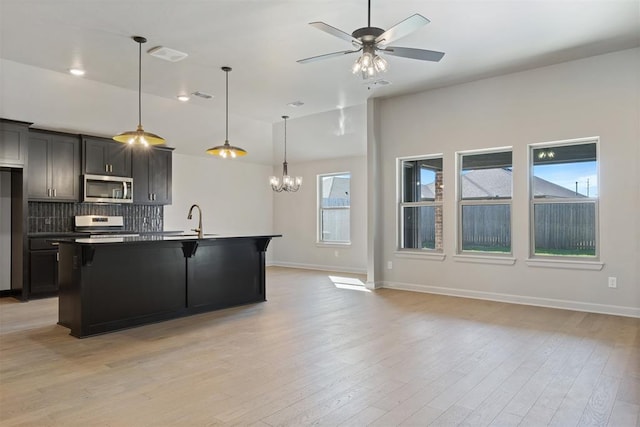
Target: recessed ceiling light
point(167, 54)
point(295, 104)
point(183, 98)
point(77, 71)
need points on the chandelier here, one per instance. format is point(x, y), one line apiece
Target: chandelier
point(286, 183)
point(139, 136)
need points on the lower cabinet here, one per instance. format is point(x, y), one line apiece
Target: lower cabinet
point(43, 267)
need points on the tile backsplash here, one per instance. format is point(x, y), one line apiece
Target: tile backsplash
point(56, 217)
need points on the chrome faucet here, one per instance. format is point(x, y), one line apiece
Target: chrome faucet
point(189, 216)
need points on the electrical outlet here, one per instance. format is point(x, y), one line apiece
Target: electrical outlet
point(613, 282)
point(389, 265)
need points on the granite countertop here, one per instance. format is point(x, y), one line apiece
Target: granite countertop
point(156, 238)
point(45, 234)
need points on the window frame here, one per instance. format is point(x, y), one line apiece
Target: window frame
point(401, 204)
point(319, 235)
point(460, 203)
point(533, 201)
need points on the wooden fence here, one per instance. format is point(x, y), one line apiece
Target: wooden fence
point(561, 227)
point(565, 227)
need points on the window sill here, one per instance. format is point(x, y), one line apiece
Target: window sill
point(567, 264)
point(485, 259)
point(332, 244)
point(435, 256)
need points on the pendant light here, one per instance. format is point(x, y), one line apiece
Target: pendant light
point(227, 151)
point(139, 136)
point(286, 183)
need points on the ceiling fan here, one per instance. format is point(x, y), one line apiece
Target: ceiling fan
point(371, 40)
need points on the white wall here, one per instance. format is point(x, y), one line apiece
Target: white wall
point(295, 216)
point(5, 230)
point(59, 101)
point(235, 197)
point(598, 96)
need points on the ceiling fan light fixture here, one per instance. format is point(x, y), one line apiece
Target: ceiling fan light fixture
point(370, 40)
point(139, 136)
point(227, 151)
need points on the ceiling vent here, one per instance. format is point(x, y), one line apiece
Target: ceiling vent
point(380, 82)
point(167, 54)
point(202, 94)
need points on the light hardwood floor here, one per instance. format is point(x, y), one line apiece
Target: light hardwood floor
point(319, 354)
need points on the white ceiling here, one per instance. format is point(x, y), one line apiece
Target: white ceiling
point(262, 39)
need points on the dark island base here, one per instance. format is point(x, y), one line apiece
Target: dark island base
point(107, 287)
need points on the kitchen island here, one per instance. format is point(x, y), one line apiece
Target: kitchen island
point(112, 283)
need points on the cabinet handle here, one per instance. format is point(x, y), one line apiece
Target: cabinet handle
point(154, 196)
point(106, 167)
point(48, 192)
point(54, 192)
point(110, 168)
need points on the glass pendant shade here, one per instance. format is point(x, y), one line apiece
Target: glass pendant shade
point(227, 151)
point(287, 182)
point(369, 64)
point(139, 136)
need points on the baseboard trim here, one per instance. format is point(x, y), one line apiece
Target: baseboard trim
point(10, 293)
point(334, 268)
point(518, 299)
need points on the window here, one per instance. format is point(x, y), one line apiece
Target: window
point(334, 194)
point(421, 203)
point(564, 198)
point(484, 202)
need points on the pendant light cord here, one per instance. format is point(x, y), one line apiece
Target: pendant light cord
point(139, 84)
point(226, 135)
point(369, 15)
point(285, 140)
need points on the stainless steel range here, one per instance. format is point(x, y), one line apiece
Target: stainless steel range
point(102, 226)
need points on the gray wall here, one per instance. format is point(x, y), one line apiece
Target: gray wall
point(597, 96)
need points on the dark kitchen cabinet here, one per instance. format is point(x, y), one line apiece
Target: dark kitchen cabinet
point(152, 176)
point(53, 172)
point(43, 267)
point(13, 143)
point(102, 156)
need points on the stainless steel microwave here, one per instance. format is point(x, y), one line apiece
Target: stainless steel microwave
point(107, 189)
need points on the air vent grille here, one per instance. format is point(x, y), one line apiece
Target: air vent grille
point(167, 54)
point(202, 94)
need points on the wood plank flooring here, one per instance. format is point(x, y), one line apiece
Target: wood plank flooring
point(320, 354)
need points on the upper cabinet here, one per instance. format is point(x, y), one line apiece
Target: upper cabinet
point(102, 156)
point(152, 175)
point(53, 167)
point(13, 143)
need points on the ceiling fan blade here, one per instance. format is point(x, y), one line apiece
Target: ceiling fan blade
point(334, 32)
point(407, 52)
point(402, 29)
point(326, 56)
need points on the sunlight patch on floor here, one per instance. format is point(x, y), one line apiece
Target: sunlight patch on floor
point(349, 283)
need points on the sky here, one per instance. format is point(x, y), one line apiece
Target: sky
point(565, 175)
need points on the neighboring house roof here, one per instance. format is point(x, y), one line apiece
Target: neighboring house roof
point(496, 183)
point(337, 192)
